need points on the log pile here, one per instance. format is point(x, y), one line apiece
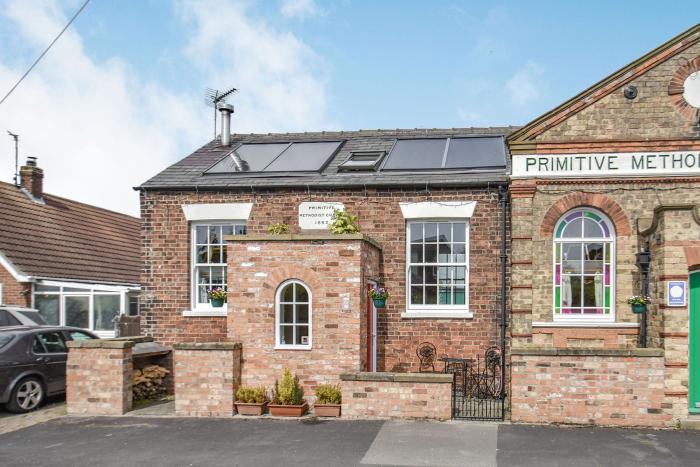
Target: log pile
point(149, 382)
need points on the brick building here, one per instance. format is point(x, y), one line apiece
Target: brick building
point(77, 264)
point(431, 223)
point(604, 206)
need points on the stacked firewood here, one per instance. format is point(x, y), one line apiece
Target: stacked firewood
point(149, 382)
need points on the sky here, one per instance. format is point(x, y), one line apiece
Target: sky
point(121, 95)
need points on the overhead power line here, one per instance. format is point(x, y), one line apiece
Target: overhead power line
point(45, 50)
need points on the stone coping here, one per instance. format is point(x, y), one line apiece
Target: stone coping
point(134, 339)
point(635, 352)
point(320, 236)
point(100, 344)
point(207, 346)
point(398, 377)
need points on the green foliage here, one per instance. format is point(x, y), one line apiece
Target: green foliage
point(343, 223)
point(328, 394)
point(251, 395)
point(278, 228)
point(288, 392)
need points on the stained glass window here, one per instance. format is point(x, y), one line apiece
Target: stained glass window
point(584, 259)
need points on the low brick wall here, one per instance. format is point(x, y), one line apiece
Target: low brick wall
point(397, 395)
point(612, 387)
point(99, 377)
point(207, 376)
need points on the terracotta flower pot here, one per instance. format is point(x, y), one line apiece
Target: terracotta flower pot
point(253, 408)
point(327, 410)
point(288, 410)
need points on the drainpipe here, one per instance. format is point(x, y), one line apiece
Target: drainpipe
point(503, 201)
point(643, 263)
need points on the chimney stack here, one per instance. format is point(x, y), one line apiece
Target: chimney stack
point(32, 178)
point(226, 111)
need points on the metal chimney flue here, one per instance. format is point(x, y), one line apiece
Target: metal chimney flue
point(226, 111)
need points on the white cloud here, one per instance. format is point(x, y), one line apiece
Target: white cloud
point(526, 85)
point(98, 130)
point(299, 8)
point(282, 81)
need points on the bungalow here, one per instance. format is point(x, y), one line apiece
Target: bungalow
point(77, 264)
point(431, 212)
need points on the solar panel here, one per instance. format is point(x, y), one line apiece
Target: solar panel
point(409, 154)
point(475, 153)
point(304, 157)
point(249, 158)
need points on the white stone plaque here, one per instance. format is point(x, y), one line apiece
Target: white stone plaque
point(317, 216)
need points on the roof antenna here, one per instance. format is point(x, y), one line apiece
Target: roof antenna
point(16, 138)
point(212, 98)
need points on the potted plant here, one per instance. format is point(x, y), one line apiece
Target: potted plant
point(328, 398)
point(378, 296)
point(343, 223)
point(278, 228)
point(251, 400)
point(217, 296)
point(639, 303)
point(288, 397)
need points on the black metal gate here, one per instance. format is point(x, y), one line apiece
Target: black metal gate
point(477, 388)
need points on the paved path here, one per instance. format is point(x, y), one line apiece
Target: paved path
point(55, 408)
point(133, 441)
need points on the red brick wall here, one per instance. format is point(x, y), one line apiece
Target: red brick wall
point(206, 379)
point(165, 279)
point(334, 272)
point(615, 390)
point(13, 292)
point(405, 399)
point(99, 380)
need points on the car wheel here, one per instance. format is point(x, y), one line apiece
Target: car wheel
point(27, 395)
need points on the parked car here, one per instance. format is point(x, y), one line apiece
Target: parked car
point(17, 315)
point(33, 363)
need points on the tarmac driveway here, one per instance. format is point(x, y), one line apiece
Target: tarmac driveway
point(130, 441)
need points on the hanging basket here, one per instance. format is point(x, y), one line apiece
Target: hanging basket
point(379, 302)
point(217, 302)
point(639, 308)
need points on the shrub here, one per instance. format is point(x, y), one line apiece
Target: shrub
point(278, 228)
point(328, 394)
point(288, 392)
point(343, 223)
point(251, 395)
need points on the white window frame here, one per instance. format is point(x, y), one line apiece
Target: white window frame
point(206, 309)
point(583, 318)
point(278, 309)
point(91, 290)
point(437, 311)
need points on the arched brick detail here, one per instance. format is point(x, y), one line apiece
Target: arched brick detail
point(595, 200)
point(291, 271)
point(676, 88)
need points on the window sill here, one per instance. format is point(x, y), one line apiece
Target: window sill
point(292, 347)
point(205, 313)
point(563, 323)
point(437, 314)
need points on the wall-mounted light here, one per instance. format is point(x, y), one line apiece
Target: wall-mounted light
point(630, 92)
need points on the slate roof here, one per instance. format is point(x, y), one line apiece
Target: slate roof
point(189, 172)
point(64, 239)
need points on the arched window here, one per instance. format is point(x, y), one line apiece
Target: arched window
point(584, 266)
point(293, 316)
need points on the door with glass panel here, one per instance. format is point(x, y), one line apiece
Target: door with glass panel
point(76, 311)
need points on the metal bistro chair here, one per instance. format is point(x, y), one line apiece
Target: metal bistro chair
point(427, 354)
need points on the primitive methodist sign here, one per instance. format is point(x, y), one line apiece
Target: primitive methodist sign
point(315, 216)
point(606, 165)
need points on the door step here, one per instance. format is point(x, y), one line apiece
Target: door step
point(691, 422)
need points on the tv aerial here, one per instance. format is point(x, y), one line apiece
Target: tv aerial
point(214, 97)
